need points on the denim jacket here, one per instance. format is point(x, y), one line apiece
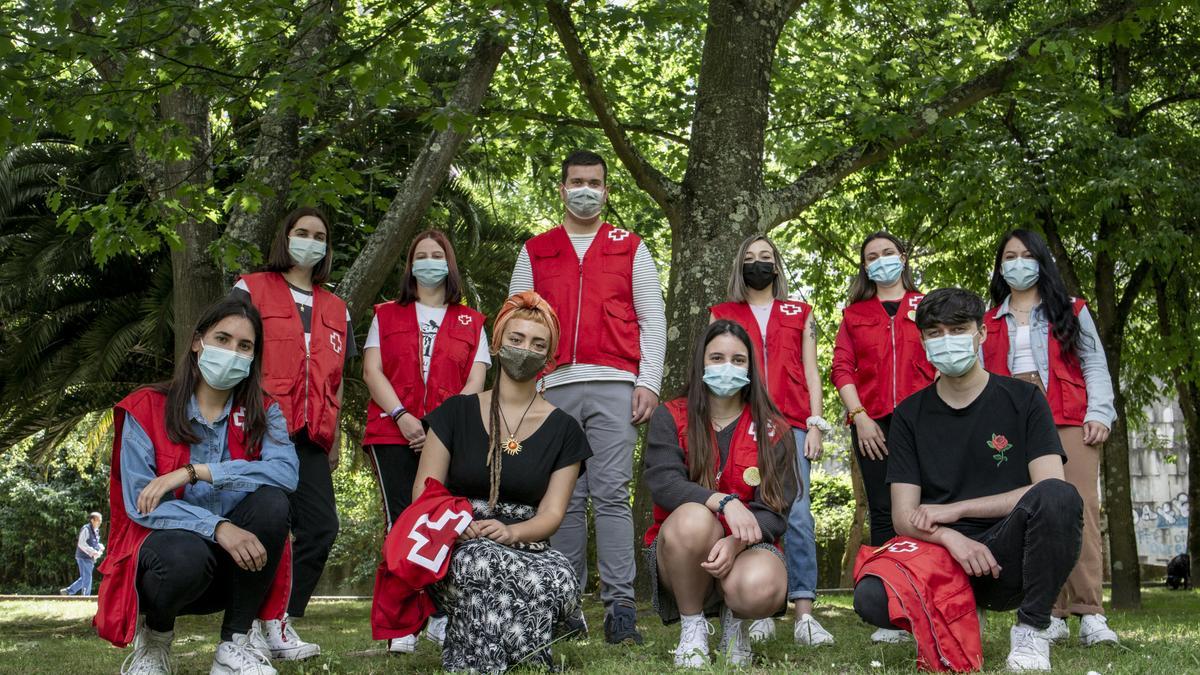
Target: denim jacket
point(205, 505)
point(1091, 358)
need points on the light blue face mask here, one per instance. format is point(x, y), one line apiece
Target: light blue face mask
point(725, 379)
point(306, 252)
point(430, 271)
point(885, 270)
point(953, 355)
point(585, 202)
point(1020, 273)
point(222, 368)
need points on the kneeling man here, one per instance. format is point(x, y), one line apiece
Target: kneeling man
point(975, 465)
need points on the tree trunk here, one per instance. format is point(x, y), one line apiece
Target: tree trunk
point(385, 249)
point(1189, 401)
point(642, 513)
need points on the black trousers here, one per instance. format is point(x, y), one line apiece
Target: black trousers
point(314, 522)
point(180, 572)
point(879, 497)
point(1036, 547)
point(395, 470)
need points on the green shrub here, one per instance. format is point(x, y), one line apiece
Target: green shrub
point(833, 510)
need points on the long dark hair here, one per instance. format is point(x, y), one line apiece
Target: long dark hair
point(247, 394)
point(776, 461)
point(1053, 292)
point(280, 260)
point(862, 287)
point(408, 289)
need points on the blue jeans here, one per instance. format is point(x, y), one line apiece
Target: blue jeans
point(82, 585)
point(800, 542)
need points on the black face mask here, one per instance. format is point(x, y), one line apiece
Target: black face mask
point(758, 275)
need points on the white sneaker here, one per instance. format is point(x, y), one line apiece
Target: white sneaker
point(1094, 630)
point(283, 642)
point(258, 639)
point(403, 645)
point(151, 652)
point(435, 630)
point(890, 636)
point(1029, 649)
point(1058, 630)
point(735, 640)
point(692, 651)
point(762, 629)
point(239, 657)
point(810, 633)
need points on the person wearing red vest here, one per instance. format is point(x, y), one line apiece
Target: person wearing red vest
point(603, 283)
point(720, 466)
point(200, 470)
point(785, 343)
point(421, 349)
point(1038, 333)
point(308, 339)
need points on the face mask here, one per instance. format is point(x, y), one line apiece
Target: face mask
point(1020, 273)
point(521, 365)
point(953, 355)
point(725, 379)
point(222, 368)
point(585, 202)
point(758, 275)
point(430, 272)
point(306, 252)
point(885, 270)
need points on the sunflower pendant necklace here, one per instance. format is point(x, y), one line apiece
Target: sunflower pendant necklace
point(512, 446)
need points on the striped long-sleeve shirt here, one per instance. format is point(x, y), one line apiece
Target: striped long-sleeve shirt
point(647, 303)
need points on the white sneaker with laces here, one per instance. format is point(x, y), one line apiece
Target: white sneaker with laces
point(890, 636)
point(435, 630)
point(735, 640)
point(762, 629)
point(151, 652)
point(1094, 630)
point(810, 633)
point(1029, 649)
point(1058, 630)
point(283, 642)
point(692, 651)
point(239, 657)
point(258, 639)
point(403, 645)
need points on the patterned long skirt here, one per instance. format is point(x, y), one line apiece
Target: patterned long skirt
point(504, 603)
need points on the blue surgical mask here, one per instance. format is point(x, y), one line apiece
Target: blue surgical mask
point(953, 355)
point(222, 368)
point(885, 270)
point(430, 271)
point(585, 202)
point(725, 379)
point(1020, 273)
point(306, 252)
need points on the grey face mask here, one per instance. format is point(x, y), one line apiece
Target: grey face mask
point(521, 365)
point(585, 202)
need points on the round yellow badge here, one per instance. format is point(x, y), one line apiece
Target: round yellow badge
point(751, 476)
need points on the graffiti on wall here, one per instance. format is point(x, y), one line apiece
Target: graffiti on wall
point(1161, 529)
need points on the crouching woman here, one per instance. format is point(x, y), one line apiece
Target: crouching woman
point(720, 465)
point(201, 468)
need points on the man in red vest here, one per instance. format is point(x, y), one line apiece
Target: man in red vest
point(603, 283)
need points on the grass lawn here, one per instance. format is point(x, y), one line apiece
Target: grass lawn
point(56, 637)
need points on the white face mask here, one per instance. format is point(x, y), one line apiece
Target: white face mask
point(585, 202)
point(306, 252)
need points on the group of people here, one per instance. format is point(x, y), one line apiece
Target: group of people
point(975, 429)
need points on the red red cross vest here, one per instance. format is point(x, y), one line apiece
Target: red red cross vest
point(1066, 391)
point(400, 352)
point(734, 478)
point(593, 299)
point(304, 381)
point(117, 608)
point(785, 353)
point(882, 356)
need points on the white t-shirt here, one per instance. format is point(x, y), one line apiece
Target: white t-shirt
point(430, 320)
point(1023, 361)
point(762, 314)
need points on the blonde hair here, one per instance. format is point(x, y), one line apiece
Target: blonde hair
point(737, 285)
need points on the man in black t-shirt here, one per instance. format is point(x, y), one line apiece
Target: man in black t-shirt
point(975, 465)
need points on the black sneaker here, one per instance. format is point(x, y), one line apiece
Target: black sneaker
point(573, 627)
point(620, 626)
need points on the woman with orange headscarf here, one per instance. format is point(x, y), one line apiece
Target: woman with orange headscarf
point(516, 457)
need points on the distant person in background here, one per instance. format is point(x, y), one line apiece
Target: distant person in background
point(87, 550)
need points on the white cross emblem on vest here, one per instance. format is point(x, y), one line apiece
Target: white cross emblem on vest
point(239, 418)
point(617, 234)
point(464, 319)
point(433, 563)
point(789, 309)
point(903, 547)
point(336, 341)
point(915, 300)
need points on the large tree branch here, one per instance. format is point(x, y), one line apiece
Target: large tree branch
point(787, 202)
point(1163, 102)
point(385, 247)
point(1133, 288)
point(662, 189)
point(558, 120)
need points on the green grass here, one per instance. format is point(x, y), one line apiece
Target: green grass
point(56, 637)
